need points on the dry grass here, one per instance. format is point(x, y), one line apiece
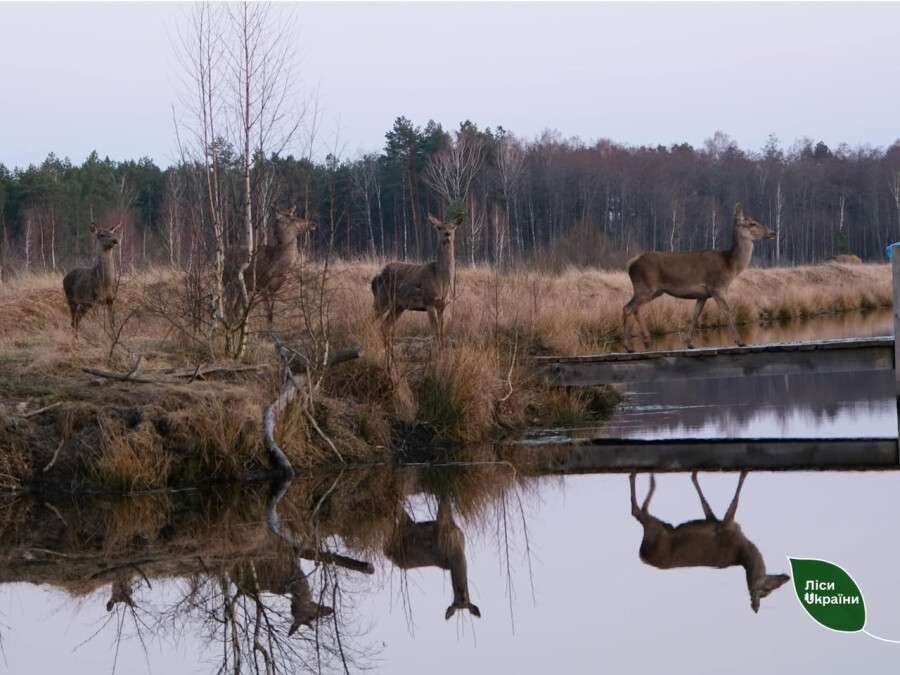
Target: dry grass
point(478, 388)
point(580, 311)
point(131, 459)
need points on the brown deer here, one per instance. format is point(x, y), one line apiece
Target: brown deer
point(433, 543)
point(704, 543)
point(401, 287)
point(270, 266)
point(694, 275)
point(121, 592)
point(88, 286)
point(282, 577)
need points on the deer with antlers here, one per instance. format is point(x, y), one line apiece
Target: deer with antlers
point(704, 543)
point(265, 272)
point(88, 286)
point(401, 287)
point(694, 275)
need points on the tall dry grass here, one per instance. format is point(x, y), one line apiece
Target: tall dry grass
point(478, 387)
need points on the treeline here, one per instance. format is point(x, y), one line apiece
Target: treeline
point(551, 200)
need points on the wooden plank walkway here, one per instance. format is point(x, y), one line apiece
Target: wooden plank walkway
point(603, 455)
point(826, 356)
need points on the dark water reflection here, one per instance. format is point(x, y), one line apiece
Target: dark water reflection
point(542, 574)
point(843, 405)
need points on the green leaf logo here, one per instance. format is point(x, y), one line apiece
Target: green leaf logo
point(828, 594)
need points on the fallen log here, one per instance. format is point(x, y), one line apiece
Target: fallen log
point(291, 389)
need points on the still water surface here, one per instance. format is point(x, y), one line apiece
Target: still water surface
point(193, 581)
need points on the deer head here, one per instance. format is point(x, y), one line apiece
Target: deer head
point(763, 585)
point(107, 239)
point(309, 614)
point(288, 225)
point(446, 231)
point(749, 228)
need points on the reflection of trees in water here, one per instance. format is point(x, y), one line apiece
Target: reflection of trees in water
point(262, 596)
point(729, 403)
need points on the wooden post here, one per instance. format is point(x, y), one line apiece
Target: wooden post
point(895, 269)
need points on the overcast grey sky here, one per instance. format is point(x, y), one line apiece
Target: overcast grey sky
point(81, 76)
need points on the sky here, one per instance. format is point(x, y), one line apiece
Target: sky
point(104, 76)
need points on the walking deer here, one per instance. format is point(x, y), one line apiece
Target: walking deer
point(704, 543)
point(434, 543)
point(694, 275)
point(88, 286)
point(270, 266)
point(401, 287)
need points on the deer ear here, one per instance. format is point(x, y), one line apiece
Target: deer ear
point(738, 211)
point(474, 611)
point(451, 610)
point(434, 221)
point(93, 227)
point(292, 211)
point(116, 228)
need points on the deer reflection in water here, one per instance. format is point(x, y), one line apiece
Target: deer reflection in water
point(281, 577)
point(433, 543)
point(704, 543)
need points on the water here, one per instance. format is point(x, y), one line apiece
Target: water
point(552, 562)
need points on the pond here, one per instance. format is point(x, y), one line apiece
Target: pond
point(481, 567)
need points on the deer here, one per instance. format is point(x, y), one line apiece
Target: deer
point(85, 287)
point(120, 592)
point(401, 287)
point(694, 275)
point(269, 267)
point(434, 543)
point(252, 579)
point(704, 543)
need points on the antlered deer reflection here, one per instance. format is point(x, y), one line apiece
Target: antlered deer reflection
point(433, 543)
point(704, 543)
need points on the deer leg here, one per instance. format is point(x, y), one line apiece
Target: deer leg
point(649, 496)
point(645, 334)
point(387, 332)
point(732, 508)
point(433, 320)
point(698, 308)
point(626, 335)
point(723, 304)
point(708, 512)
point(270, 311)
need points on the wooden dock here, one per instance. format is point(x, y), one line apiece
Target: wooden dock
point(825, 356)
point(605, 455)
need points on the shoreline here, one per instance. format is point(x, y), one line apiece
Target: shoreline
point(61, 427)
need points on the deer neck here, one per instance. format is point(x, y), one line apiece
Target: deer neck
point(105, 268)
point(446, 262)
point(740, 253)
point(752, 562)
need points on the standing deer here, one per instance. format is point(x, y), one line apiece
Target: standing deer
point(120, 592)
point(434, 543)
point(401, 287)
point(281, 577)
point(269, 267)
point(694, 275)
point(88, 286)
point(704, 543)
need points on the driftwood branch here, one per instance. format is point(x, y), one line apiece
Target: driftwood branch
point(279, 489)
point(41, 411)
point(130, 376)
point(292, 388)
point(171, 375)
